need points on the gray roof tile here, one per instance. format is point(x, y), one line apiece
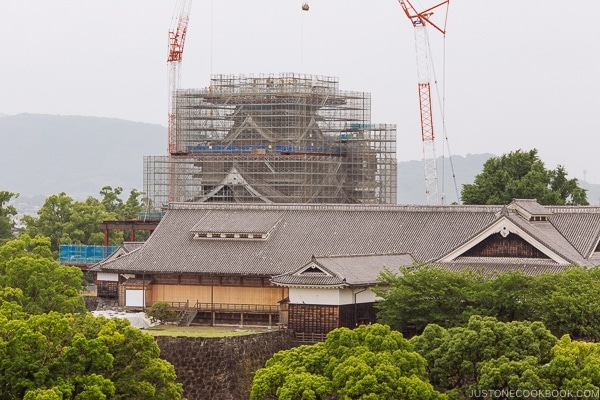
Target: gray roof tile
point(427, 233)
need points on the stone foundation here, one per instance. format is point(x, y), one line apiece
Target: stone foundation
point(221, 368)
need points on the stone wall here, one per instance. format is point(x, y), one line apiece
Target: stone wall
point(220, 368)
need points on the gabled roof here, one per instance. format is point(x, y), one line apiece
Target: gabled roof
point(123, 249)
point(430, 234)
point(529, 208)
point(342, 271)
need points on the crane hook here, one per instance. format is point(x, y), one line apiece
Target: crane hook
point(305, 7)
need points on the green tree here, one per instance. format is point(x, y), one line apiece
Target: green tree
point(58, 356)
point(6, 212)
point(574, 365)
point(133, 206)
point(568, 302)
point(370, 362)
point(425, 294)
point(507, 296)
point(26, 265)
point(161, 312)
point(111, 200)
point(522, 175)
point(52, 220)
point(486, 354)
point(66, 221)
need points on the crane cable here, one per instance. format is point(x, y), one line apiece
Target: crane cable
point(442, 105)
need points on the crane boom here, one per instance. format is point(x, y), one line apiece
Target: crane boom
point(420, 20)
point(177, 34)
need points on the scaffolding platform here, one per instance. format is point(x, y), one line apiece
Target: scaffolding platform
point(287, 138)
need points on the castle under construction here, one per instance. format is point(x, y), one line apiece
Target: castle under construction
point(287, 138)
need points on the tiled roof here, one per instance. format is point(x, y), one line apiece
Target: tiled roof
point(236, 222)
point(300, 231)
point(344, 270)
point(529, 206)
point(548, 235)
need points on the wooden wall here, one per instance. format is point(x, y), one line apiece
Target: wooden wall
point(218, 294)
point(511, 246)
point(311, 318)
point(315, 318)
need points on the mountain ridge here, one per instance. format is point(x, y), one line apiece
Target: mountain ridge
point(79, 155)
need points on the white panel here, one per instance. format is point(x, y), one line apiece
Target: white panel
point(134, 298)
point(348, 296)
point(107, 277)
point(334, 297)
point(314, 296)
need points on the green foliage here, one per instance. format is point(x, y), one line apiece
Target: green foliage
point(66, 221)
point(575, 365)
point(31, 277)
point(486, 354)
point(522, 175)
point(56, 356)
point(6, 212)
point(54, 215)
point(425, 294)
point(161, 312)
point(566, 302)
point(370, 362)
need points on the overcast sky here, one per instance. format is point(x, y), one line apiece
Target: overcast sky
point(518, 74)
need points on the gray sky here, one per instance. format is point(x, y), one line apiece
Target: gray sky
point(518, 74)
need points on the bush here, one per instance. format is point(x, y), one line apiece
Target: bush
point(161, 312)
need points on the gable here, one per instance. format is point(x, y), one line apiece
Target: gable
point(312, 269)
point(504, 239)
point(497, 245)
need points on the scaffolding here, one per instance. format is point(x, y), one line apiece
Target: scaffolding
point(287, 138)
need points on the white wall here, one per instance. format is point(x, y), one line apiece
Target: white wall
point(107, 277)
point(331, 296)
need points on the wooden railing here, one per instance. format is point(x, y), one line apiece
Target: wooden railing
point(225, 307)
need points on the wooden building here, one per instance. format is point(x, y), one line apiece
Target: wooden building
point(239, 263)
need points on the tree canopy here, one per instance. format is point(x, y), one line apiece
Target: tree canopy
point(472, 360)
point(522, 175)
point(486, 354)
point(59, 356)
point(33, 279)
point(6, 211)
point(66, 221)
point(52, 348)
point(566, 302)
point(369, 362)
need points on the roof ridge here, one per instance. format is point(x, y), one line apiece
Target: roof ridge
point(330, 207)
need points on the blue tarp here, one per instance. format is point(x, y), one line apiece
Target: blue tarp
point(77, 254)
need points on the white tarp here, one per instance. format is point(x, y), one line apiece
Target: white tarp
point(137, 319)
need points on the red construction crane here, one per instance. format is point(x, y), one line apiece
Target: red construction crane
point(420, 20)
point(177, 33)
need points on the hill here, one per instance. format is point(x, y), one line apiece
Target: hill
point(411, 177)
point(49, 154)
